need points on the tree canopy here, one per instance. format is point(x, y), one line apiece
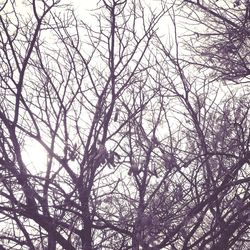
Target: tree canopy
point(141, 116)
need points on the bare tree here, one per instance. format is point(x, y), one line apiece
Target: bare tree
point(221, 37)
point(143, 151)
point(74, 89)
point(214, 126)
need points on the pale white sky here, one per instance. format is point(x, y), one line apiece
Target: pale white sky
point(84, 4)
point(83, 7)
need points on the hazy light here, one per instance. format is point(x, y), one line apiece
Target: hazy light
point(34, 156)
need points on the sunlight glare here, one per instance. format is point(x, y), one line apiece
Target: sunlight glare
point(34, 156)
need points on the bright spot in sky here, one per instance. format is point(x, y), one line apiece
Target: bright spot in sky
point(34, 156)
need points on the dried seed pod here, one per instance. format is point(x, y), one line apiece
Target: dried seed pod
point(134, 168)
point(116, 114)
point(102, 154)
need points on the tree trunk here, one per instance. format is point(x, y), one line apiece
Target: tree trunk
point(86, 236)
